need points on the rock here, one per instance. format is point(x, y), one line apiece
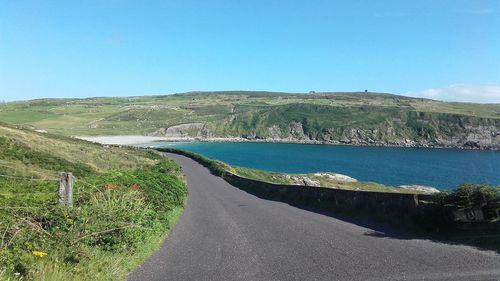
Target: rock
point(472, 144)
point(182, 130)
point(420, 189)
point(296, 131)
point(464, 133)
point(337, 177)
point(299, 180)
point(309, 182)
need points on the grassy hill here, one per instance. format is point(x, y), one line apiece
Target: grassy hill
point(349, 118)
point(125, 201)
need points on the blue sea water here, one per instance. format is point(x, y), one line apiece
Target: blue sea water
point(440, 168)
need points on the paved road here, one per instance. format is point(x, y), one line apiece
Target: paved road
point(228, 234)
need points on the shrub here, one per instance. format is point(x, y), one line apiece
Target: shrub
point(113, 213)
point(473, 195)
point(480, 196)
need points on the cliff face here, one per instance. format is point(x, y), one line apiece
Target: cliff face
point(481, 137)
point(379, 127)
point(183, 130)
point(469, 138)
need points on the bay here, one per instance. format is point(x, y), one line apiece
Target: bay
point(444, 169)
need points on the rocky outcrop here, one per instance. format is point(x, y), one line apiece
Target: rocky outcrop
point(274, 132)
point(474, 137)
point(420, 189)
point(188, 130)
point(336, 177)
point(296, 131)
point(469, 137)
point(302, 180)
point(467, 134)
point(309, 182)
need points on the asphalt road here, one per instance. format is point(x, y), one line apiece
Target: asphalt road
point(228, 234)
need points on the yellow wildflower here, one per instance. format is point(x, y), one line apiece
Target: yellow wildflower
point(39, 254)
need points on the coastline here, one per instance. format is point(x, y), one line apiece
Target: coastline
point(140, 139)
point(170, 142)
point(121, 140)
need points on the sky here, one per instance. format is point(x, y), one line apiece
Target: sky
point(445, 50)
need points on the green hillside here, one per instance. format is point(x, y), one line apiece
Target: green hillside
point(349, 118)
point(125, 201)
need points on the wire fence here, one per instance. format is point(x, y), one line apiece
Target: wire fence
point(63, 187)
point(26, 178)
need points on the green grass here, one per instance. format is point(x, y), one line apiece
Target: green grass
point(126, 201)
point(324, 116)
point(325, 181)
point(10, 150)
point(261, 175)
point(24, 116)
point(37, 154)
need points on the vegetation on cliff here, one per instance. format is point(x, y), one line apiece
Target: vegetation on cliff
point(349, 118)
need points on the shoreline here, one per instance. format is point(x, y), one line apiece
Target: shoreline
point(140, 139)
point(121, 140)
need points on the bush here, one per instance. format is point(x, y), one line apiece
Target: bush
point(485, 197)
point(472, 195)
point(113, 213)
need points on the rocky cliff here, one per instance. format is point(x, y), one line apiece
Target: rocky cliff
point(385, 128)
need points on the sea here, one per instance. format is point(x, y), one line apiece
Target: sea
point(444, 169)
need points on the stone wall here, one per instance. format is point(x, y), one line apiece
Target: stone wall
point(380, 201)
point(387, 203)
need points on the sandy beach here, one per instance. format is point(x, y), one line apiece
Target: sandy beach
point(123, 140)
point(137, 139)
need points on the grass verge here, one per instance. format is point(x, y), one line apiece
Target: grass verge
point(125, 201)
point(118, 219)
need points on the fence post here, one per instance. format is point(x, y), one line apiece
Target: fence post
point(66, 188)
point(62, 188)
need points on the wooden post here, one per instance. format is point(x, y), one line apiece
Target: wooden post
point(66, 188)
point(62, 188)
point(69, 190)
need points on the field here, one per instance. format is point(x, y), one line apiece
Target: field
point(357, 118)
point(125, 202)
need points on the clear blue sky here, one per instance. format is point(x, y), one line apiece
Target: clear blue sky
point(118, 48)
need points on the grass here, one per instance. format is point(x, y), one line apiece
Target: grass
point(27, 146)
point(24, 116)
point(324, 116)
point(14, 151)
point(261, 175)
point(323, 179)
point(126, 201)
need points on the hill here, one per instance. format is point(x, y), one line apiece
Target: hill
point(125, 201)
point(346, 118)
